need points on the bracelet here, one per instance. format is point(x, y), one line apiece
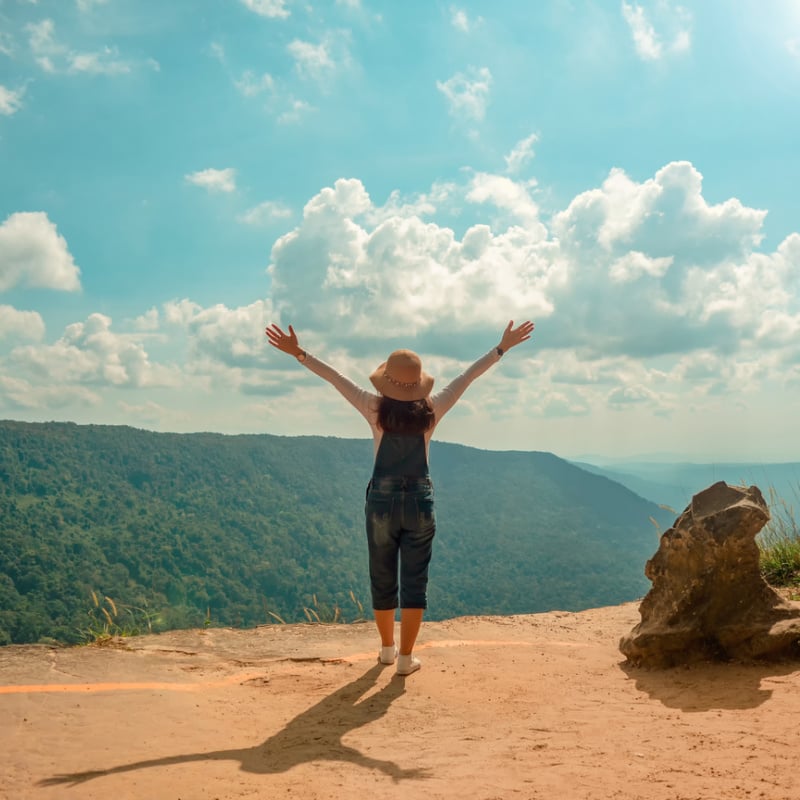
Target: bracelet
point(499, 351)
point(301, 356)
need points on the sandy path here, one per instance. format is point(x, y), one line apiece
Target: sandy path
point(537, 706)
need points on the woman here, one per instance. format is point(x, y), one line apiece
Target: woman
point(399, 508)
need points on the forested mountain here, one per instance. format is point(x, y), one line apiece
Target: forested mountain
point(213, 529)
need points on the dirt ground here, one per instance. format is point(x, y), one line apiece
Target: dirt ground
point(540, 706)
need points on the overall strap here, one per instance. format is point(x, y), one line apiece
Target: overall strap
point(401, 456)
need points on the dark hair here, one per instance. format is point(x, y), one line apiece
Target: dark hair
point(404, 416)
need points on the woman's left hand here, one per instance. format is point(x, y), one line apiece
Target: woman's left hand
point(513, 336)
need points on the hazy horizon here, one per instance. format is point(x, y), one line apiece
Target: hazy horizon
point(176, 176)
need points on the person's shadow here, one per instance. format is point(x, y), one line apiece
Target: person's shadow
point(314, 735)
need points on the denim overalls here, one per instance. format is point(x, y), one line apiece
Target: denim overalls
point(400, 522)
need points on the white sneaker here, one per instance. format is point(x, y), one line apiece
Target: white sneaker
point(407, 664)
point(388, 654)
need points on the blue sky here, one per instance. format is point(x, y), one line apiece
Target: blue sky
point(175, 175)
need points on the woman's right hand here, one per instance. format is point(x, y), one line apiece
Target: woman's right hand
point(513, 336)
point(285, 342)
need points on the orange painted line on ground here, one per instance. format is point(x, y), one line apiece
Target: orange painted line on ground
point(78, 688)
point(123, 687)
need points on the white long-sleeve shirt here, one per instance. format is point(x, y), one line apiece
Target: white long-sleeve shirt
point(366, 403)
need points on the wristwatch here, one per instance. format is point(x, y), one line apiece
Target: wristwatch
point(301, 356)
point(499, 351)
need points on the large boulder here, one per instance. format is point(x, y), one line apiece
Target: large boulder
point(708, 599)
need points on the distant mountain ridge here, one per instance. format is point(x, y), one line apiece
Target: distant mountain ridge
point(213, 529)
point(673, 484)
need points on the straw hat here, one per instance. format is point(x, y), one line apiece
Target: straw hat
point(401, 377)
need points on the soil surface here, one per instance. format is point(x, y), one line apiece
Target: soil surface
point(540, 706)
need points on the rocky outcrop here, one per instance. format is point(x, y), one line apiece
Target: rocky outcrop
point(708, 599)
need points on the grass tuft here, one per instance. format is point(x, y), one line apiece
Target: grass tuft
point(109, 620)
point(779, 543)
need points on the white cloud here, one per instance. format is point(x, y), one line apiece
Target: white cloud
point(101, 62)
point(467, 94)
point(521, 154)
point(505, 194)
point(15, 324)
point(90, 353)
point(634, 271)
point(53, 56)
point(10, 100)
point(311, 60)
point(149, 321)
point(388, 273)
point(43, 44)
point(793, 46)
point(251, 84)
point(295, 113)
point(634, 265)
point(273, 9)
point(32, 253)
point(20, 393)
point(635, 393)
point(265, 213)
point(674, 21)
point(233, 337)
point(460, 21)
point(215, 180)
point(419, 205)
point(644, 34)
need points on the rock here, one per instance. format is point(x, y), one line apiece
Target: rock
point(708, 599)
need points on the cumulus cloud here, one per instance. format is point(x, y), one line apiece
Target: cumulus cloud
point(630, 270)
point(90, 353)
point(22, 394)
point(233, 337)
point(149, 321)
point(386, 274)
point(10, 100)
point(272, 9)
point(15, 324)
point(674, 21)
point(503, 193)
point(644, 294)
point(467, 93)
point(33, 254)
point(653, 268)
point(214, 180)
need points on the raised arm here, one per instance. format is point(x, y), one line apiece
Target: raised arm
point(443, 401)
point(359, 398)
